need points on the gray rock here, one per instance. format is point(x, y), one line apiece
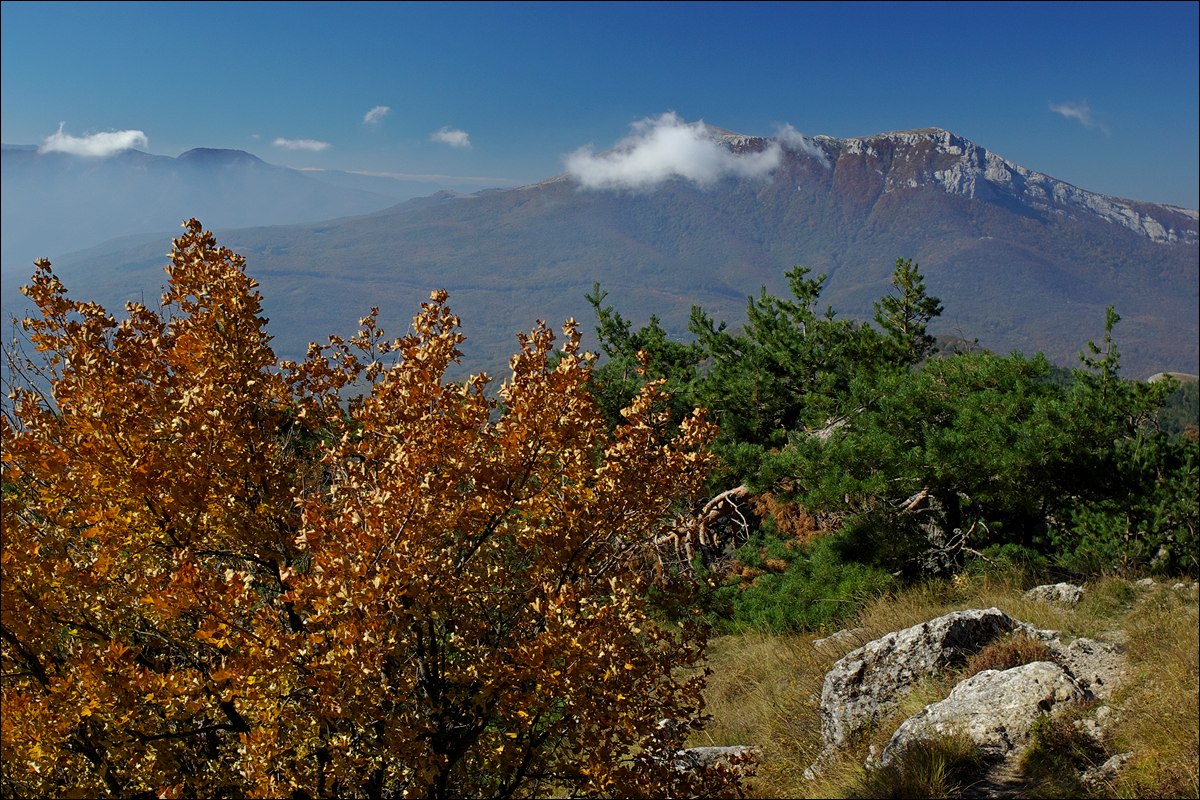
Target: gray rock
point(835, 642)
point(996, 709)
point(1146, 583)
point(1066, 593)
point(1096, 726)
point(818, 767)
point(1098, 666)
point(869, 681)
point(1047, 636)
point(1106, 772)
point(698, 757)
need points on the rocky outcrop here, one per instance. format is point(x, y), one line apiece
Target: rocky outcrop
point(1097, 666)
point(1067, 594)
point(996, 709)
point(932, 156)
point(869, 681)
point(741, 758)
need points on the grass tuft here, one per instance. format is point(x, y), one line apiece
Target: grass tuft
point(935, 767)
point(1007, 653)
point(1056, 757)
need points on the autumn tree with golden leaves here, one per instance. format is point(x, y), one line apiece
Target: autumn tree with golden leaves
point(223, 578)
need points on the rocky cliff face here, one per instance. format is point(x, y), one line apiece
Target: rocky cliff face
point(934, 157)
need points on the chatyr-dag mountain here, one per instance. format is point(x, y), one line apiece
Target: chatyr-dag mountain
point(1021, 261)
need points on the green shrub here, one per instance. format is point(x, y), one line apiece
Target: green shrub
point(1150, 524)
point(797, 588)
point(1017, 562)
point(1181, 410)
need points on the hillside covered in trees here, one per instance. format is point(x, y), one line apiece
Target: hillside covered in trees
point(352, 576)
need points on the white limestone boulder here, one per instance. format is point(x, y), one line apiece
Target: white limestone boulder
point(995, 708)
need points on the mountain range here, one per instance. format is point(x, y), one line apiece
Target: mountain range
point(56, 202)
point(1020, 260)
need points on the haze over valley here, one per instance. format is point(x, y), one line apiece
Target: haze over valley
point(675, 214)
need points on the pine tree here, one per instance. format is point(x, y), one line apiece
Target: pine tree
point(905, 313)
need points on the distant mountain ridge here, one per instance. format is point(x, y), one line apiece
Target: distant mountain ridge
point(933, 156)
point(55, 203)
point(936, 157)
point(214, 156)
point(1021, 260)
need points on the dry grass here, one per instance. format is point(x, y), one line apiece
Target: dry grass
point(1159, 705)
point(935, 767)
point(1053, 763)
point(765, 690)
point(1009, 652)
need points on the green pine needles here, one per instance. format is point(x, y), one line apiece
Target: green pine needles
point(909, 462)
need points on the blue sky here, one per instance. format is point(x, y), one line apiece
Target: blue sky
point(1103, 95)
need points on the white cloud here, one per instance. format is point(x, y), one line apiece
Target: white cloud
point(376, 115)
point(95, 144)
point(1081, 112)
point(795, 140)
point(452, 137)
point(663, 148)
point(312, 145)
